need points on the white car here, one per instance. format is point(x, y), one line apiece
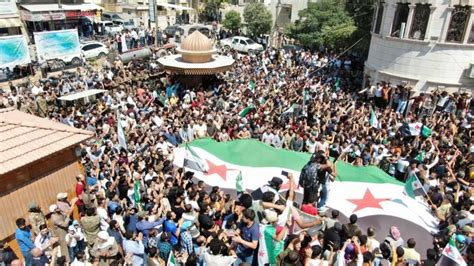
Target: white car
point(110, 27)
point(241, 44)
point(94, 49)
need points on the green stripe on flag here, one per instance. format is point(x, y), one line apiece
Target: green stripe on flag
point(245, 111)
point(273, 248)
point(253, 153)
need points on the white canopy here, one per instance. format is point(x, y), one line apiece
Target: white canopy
point(80, 95)
point(55, 7)
point(177, 7)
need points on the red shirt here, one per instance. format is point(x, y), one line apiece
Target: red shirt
point(79, 190)
point(309, 209)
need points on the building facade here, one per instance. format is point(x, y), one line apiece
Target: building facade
point(426, 43)
point(10, 22)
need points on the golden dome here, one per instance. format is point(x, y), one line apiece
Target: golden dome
point(196, 48)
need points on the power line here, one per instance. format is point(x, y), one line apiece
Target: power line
point(339, 55)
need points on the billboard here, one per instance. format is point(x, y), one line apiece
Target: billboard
point(14, 51)
point(56, 44)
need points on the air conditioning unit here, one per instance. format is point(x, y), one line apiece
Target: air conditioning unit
point(470, 72)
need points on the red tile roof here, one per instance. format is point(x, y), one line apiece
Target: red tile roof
point(26, 138)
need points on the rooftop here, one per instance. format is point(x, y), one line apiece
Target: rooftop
point(26, 138)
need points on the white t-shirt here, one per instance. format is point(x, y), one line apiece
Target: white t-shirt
point(267, 138)
point(311, 146)
point(71, 238)
point(318, 262)
point(218, 260)
point(36, 90)
point(103, 218)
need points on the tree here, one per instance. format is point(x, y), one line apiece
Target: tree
point(324, 23)
point(362, 11)
point(211, 12)
point(232, 20)
point(258, 19)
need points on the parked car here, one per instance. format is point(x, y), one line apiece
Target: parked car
point(171, 31)
point(203, 29)
point(126, 25)
point(241, 44)
point(112, 17)
point(94, 49)
point(110, 27)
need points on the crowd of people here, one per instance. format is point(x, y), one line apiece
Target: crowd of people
point(137, 208)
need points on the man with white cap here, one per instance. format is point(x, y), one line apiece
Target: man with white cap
point(104, 250)
point(60, 223)
point(62, 203)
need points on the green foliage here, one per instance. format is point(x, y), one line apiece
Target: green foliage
point(258, 19)
point(326, 23)
point(232, 20)
point(210, 12)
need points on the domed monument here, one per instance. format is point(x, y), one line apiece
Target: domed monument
point(196, 56)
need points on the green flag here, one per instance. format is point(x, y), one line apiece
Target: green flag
point(373, 120)
point(252, 85)
point(136, 192)
point(171, 260)
point(413, 186)
point(238, 183)
point(246, 110)
point(425, 131)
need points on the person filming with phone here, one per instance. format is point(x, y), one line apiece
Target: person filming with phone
point(313, 175)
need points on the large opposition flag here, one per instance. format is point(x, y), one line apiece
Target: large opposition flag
point(378, 199)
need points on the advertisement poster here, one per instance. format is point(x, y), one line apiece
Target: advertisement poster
point(14, 51)
point(55, 44)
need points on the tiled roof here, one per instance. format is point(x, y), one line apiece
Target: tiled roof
point(26, 138)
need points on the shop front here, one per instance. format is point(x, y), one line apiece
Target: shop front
point(48, 17)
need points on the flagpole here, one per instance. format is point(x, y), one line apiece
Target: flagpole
point(423, 188)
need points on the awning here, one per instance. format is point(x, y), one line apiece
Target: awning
point(177, 7)
point(83, 7)
point(10, 22)
point(80, 95)
point(41, 8)
point(55, 7)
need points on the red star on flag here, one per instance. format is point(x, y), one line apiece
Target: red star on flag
point(447, 249)
point(287, 185)
point(368, 201)
point(220, 170)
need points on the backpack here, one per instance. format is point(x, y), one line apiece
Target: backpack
point(308, 178)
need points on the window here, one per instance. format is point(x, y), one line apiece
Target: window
point(471, 34)
point(243, 42)
point(458, 24)
point(420, 21)
point(378, 18)
point(401, 17)
point(91, 46)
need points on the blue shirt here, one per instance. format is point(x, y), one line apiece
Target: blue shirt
point(248, 234)
point(137, 250)
point(145, 227)
point(23, 238)
point(131, 222)
point(170, 227)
